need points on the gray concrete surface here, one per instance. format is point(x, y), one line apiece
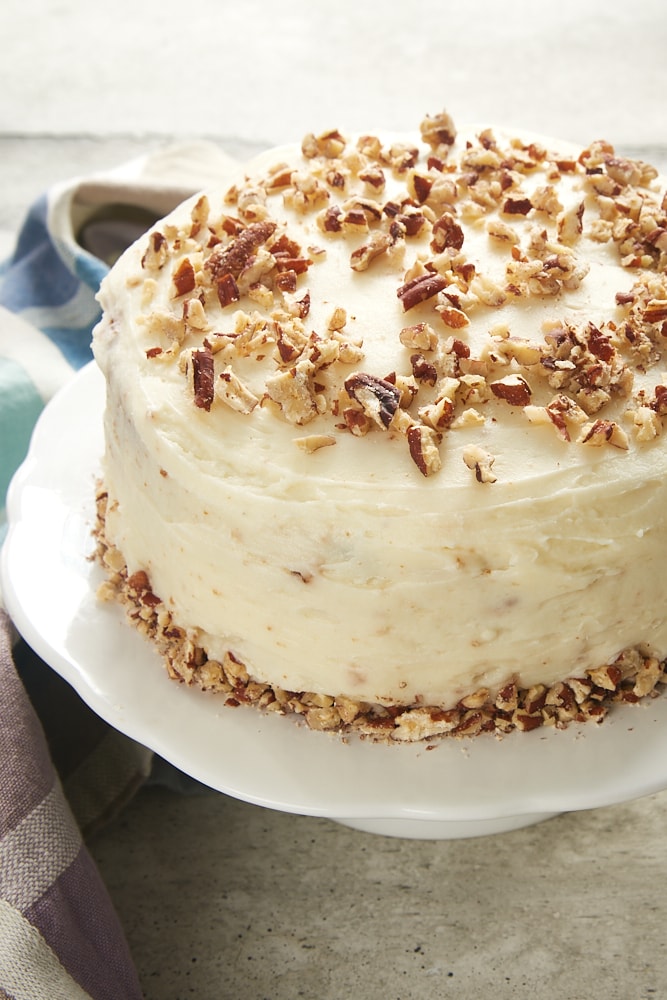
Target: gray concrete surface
point(221, 899)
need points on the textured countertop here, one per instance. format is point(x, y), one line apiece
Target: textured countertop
point(219, 898)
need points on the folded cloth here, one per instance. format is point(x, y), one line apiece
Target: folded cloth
point(59, 934)
point(64, 771)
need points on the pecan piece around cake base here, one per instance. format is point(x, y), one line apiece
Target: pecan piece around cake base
point(634, 675)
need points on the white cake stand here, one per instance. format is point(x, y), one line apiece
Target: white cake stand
point(448, 789)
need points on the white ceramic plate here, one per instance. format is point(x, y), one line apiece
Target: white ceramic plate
point(453, 789)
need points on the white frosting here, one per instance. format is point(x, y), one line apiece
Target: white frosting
point(346, 570)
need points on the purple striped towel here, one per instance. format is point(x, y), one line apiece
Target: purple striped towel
point(59, 935)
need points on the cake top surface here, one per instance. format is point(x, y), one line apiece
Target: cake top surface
point(470, 309)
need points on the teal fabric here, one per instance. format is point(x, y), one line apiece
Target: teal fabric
point(20, 405)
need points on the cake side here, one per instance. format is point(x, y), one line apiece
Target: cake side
point(635, 674)
point(384, 418)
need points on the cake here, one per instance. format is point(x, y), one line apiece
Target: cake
point(384, 433)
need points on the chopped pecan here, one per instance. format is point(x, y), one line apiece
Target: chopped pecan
point(452, 317)
point(446, 233)
point(285, 281)
point(420, 289)
point(356, 421)
point(658, 237)
point(599, 344)
point(647, 423)
point(354, 221)
point(194, 314)
point(407, 384)
point(517, 206)
point(421, 337)
point(423, 370)
point(377, 245)
point(280, 176)
point(199, 215)
point(140, 584)
point(331, 220)
point(501, 231)
point(289, 342)
point(232, 258)
point(411, 221)
point(624, 172)
point(288, 256)
point(525, 723)
point(655, 311)
point(235, 393)
point(156, 253)
point(570, 225)
point(329, 144)
point(602, 432)
point(438, 130)
point(337, 320)
point(562, 696)
point(251, 203)
point(370, 148)
point(562, 409)
point(659, 401)
point(371, 209)
point(626, 298)
point(293, 391)
point(534, 698)
point(507, 699)
point(374, 177)
point(545, 199)
point(477, 699)
point(513, 389)
point(322, 719)
point(581, 688)
point(607, 677)
point(649, 674)
point(423, 445)
point(299, 306)
point(402, 157)
point(438, 415)
point(184, 277)
point(523, 351)
point(313, 442)
point(378, 398)
point(480, 462)
point(203, 376)
point(227, 289)
point(419, 186)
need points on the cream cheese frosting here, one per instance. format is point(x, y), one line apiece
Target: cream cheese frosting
point(384, 417)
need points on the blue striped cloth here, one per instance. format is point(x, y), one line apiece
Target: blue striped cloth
point(59, 934)
point(48, 311)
